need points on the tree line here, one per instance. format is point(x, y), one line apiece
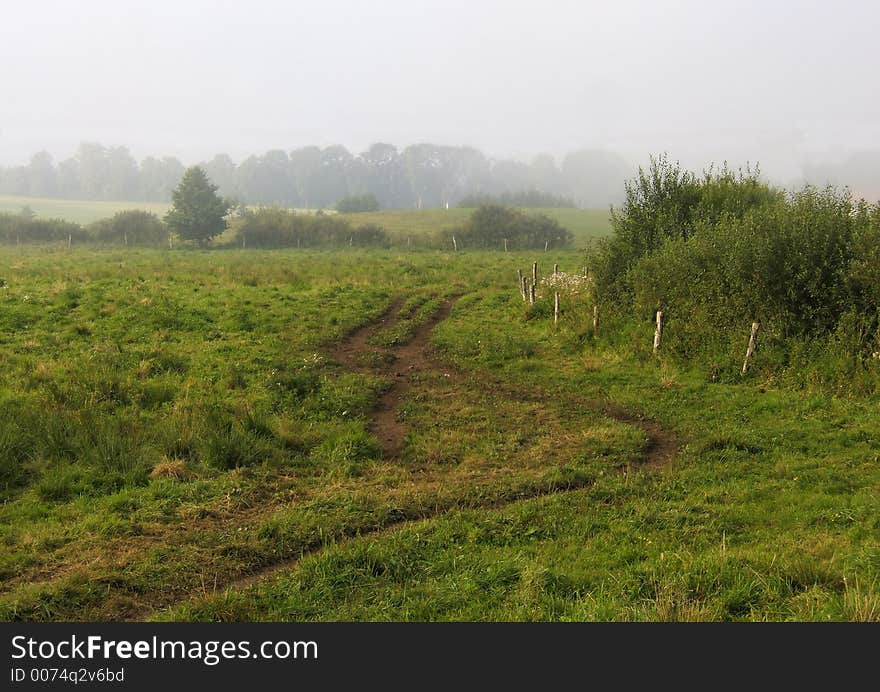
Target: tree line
point(419, 176)
point(198, 215)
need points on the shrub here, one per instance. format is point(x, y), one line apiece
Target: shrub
point(719, 252)
point(666, 203)
point(16, 228)
point(489, 226)
point(274, 227)
point(134, 226)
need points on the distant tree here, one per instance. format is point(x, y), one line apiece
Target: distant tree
point(507, 176)
point(159, 177)
point(305, 169)
point(123, 176)
point(42, 176)
point(92, 163)
point(358, 203)
point(222, 170)
point(545, 175)
point(197, 211)
point(69, 181)
point(386, 176)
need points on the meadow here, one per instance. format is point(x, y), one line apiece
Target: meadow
point(391, 435)
point(584, 224)
point(401, 224)
point(78, 211)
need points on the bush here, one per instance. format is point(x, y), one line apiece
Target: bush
point(358, 203)
point(489, 226)
point(666, 203)
point(274, 227)
point(719, 252)
point(134, 226)
point(16, 228)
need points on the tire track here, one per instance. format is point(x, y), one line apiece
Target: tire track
point(402, 365)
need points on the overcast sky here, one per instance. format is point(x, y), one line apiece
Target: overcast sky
point(781, 82)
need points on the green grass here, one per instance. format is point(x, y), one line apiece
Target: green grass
point(585, 224)
point(173, 426)
point(78, 211)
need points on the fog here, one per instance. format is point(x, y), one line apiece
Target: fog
point(792, 85)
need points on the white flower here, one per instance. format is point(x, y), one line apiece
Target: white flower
point(568, 283)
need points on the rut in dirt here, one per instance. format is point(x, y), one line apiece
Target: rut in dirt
point(402, 364)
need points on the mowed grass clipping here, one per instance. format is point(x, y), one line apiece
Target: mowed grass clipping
point(178, 442)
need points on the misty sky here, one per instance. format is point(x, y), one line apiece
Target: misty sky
point(778, 82)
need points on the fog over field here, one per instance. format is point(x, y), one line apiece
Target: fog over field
point(786, 84)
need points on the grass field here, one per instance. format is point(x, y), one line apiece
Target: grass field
point(380, 435)
point(79, 211)
point(585, 224)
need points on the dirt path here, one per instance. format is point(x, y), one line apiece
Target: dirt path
point(403, 364)
point(409, 367)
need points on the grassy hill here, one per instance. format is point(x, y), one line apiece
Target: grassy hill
point(80, 211)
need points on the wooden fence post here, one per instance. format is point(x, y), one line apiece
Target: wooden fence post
point(522, 290)
point(750, 351)
point(532, 294)
point(658, 332)
point(505, 245)
point(556, 310)
point(534, 273)
point(546, 245)
point(595, 320)
point(454, 244)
